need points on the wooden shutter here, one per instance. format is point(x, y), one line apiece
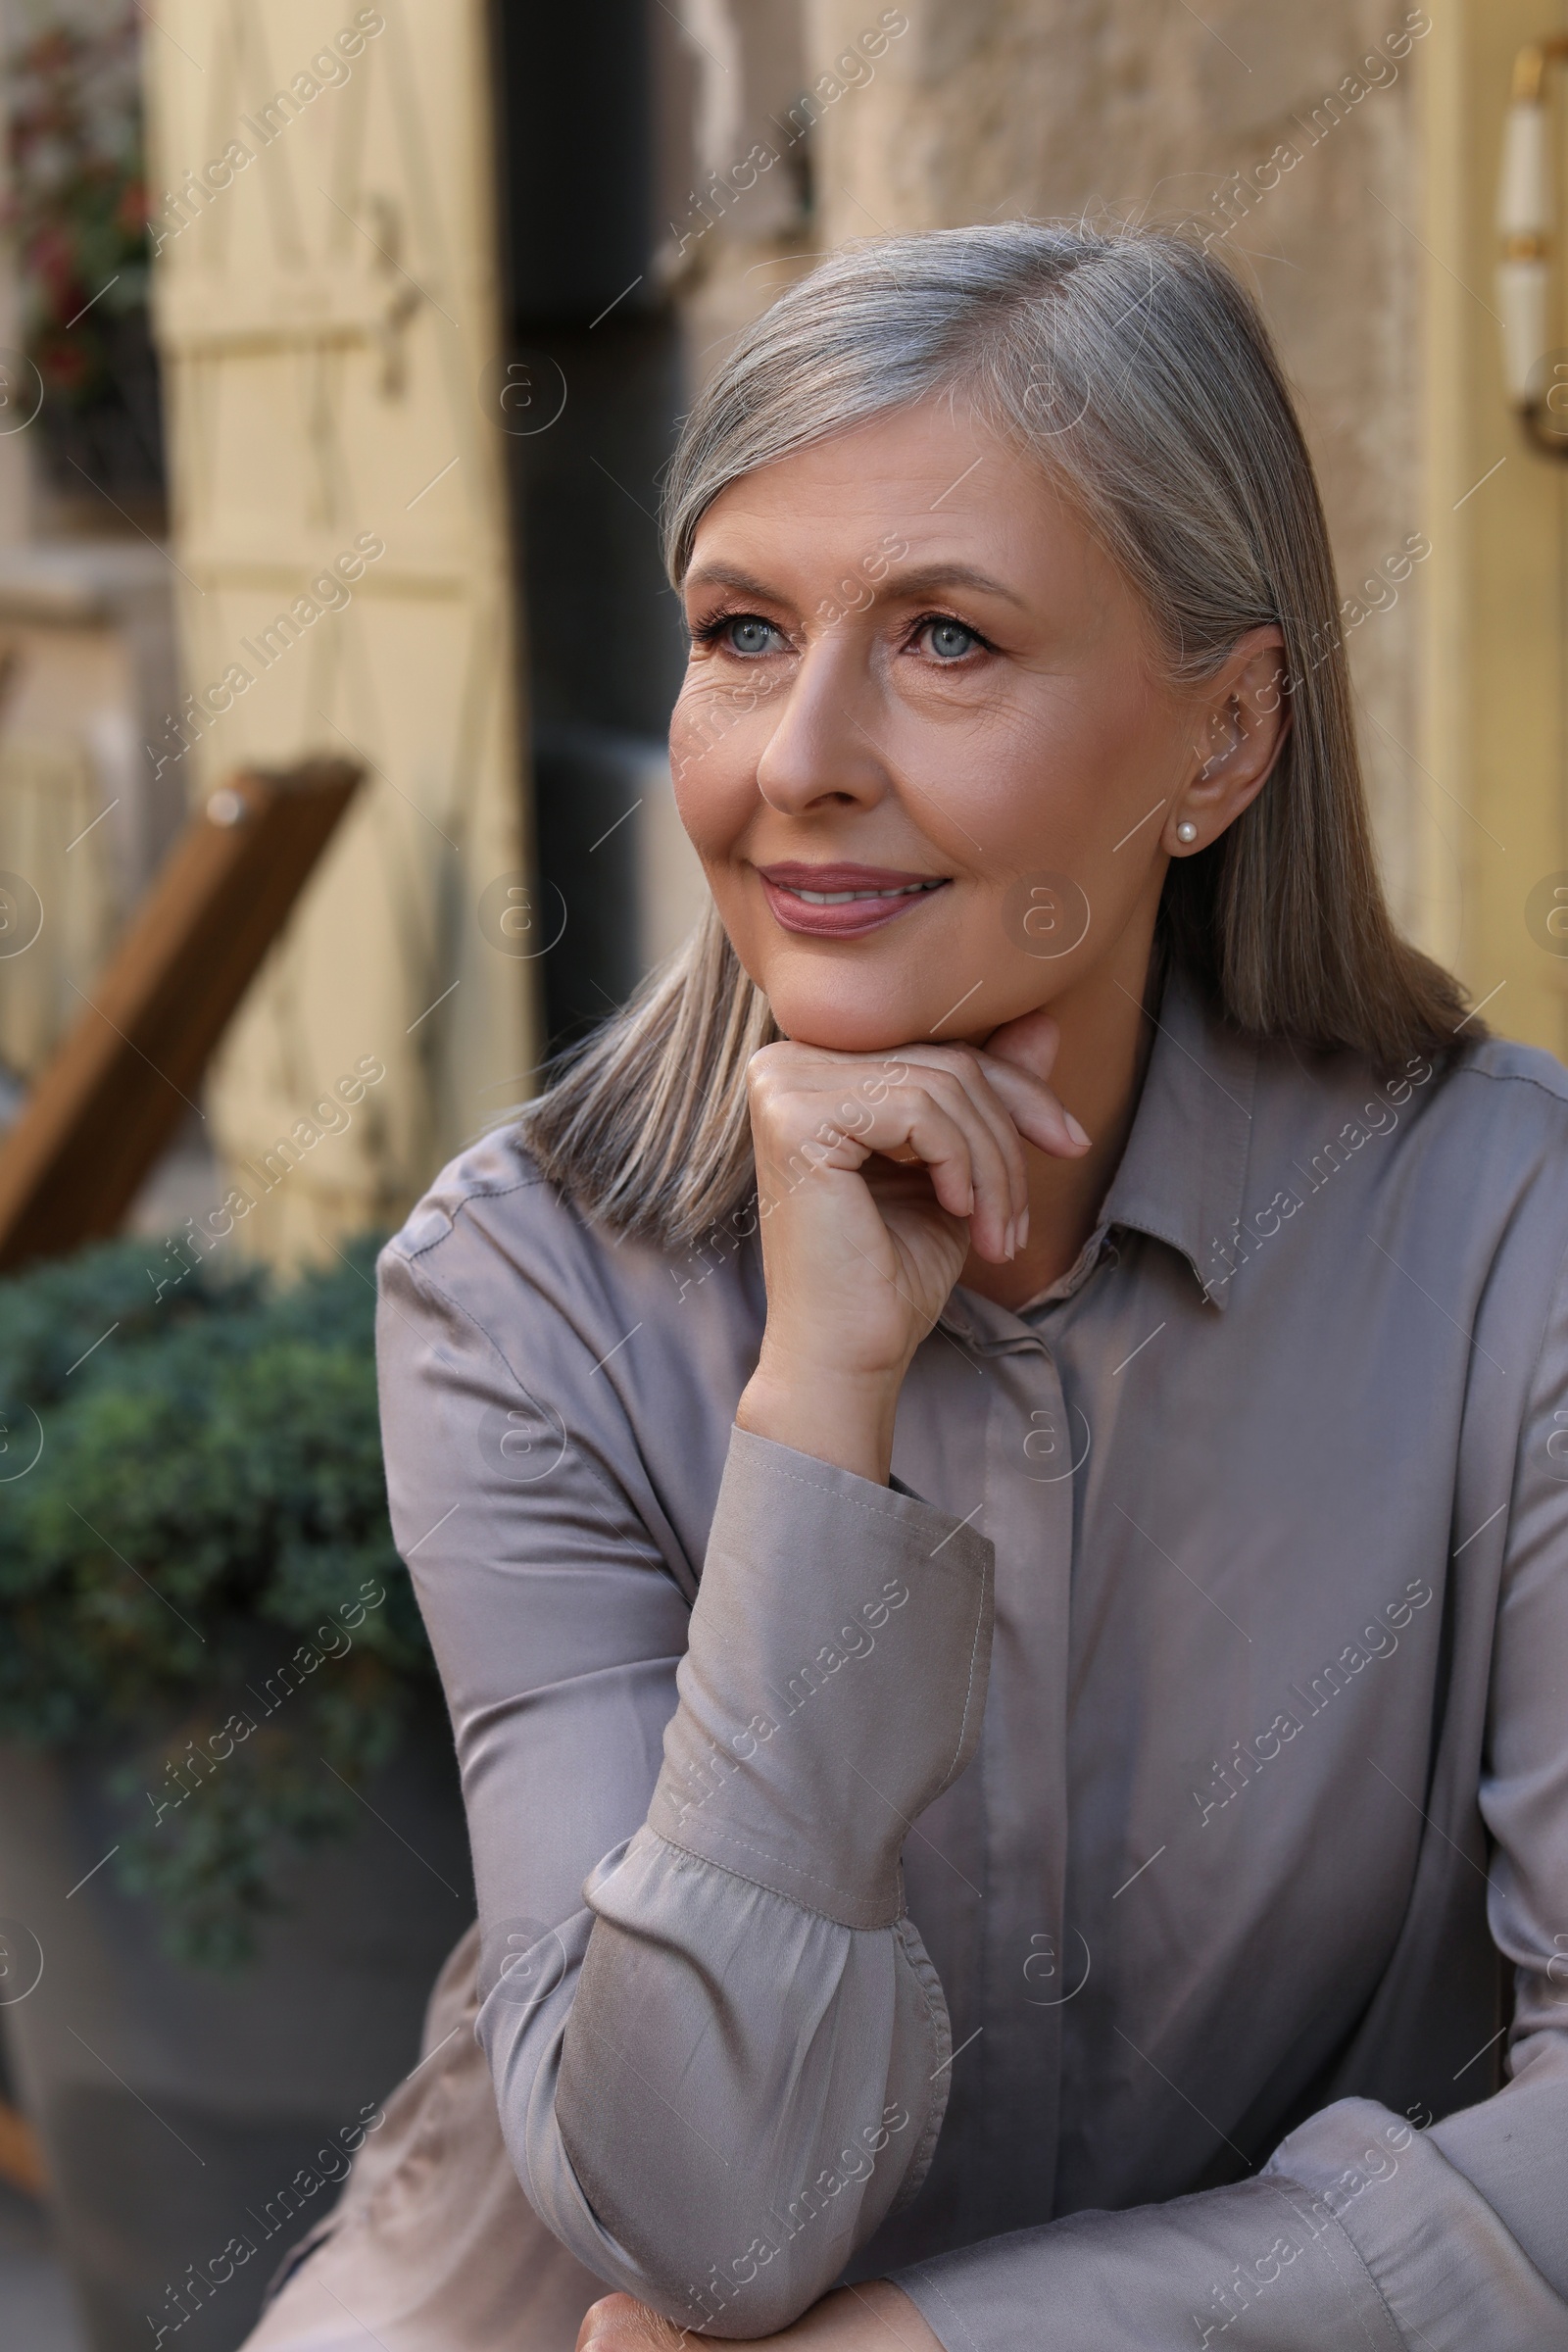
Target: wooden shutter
point(327, 311)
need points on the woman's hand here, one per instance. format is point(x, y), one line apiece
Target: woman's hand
point(875, 2318)
point(875, 1176)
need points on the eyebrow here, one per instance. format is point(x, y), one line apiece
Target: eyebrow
point(726, 575)
point(911, 582)
point(950, 575)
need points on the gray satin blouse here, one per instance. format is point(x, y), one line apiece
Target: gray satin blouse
point(1101, 1880)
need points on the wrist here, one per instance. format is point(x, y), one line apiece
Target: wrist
point(843, 1418)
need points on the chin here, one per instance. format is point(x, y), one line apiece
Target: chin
point(870, 1027)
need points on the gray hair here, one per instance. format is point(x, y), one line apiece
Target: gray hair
point(1139, 372)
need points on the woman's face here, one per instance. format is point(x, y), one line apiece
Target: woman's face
point(924, 746)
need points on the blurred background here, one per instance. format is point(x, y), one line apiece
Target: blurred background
point(341, 348)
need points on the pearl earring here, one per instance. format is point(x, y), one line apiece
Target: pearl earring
point(1187, 830)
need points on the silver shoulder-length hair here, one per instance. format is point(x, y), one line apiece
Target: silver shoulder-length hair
point(1140, 373)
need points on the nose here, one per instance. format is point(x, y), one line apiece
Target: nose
point(823, 750)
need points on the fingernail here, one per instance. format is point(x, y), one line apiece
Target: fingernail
point(1009, 1242)
point(1023, 1229)
point(1073, 1128)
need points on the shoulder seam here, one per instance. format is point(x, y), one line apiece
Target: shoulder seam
point(1475, 1069)
point(500, 1191)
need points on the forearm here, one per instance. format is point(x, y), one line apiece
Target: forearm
point(1358, 2231)
point(752, 2072)
point(745, 2090)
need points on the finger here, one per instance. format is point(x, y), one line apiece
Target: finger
point(1038, 1113)
point(999, 1189)
point(601, 2324)
point(922, 1124)
point(1018, 1058)
point(974, 1073)
point(620, 2323)
point(1015, 1061)
point(815, 1109)
point(960, 1069)
point(796, 1126)
point(795, 1132)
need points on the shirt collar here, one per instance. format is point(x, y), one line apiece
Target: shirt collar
point(1183, 1174)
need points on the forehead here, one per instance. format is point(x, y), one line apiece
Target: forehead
point(913, 458)
point(935, 482)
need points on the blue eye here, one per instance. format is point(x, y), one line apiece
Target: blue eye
point(747, 633)
point(949, 640)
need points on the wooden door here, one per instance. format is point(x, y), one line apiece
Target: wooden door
point(327, 311)
point(1494, 754)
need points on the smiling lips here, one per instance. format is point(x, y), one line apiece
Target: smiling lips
point(842, 902)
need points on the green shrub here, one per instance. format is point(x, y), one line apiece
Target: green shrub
point(199, 1562)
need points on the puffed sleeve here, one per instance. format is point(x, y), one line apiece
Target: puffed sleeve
point(1358, 2229)
point(718, 2045)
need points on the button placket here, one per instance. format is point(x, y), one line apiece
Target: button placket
point(1032, 1964)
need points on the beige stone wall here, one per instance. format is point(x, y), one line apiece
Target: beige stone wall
point(1002, 107)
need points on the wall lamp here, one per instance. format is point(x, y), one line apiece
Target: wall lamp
point(1535, 375)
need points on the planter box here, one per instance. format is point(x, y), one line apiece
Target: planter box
point(180, 2110)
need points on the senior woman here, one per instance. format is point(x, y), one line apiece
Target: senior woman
point(988, 1470)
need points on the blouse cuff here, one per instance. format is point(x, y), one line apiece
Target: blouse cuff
point(1246, 2267)
point(833, 1684)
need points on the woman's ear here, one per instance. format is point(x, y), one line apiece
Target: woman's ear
point(1243, 722)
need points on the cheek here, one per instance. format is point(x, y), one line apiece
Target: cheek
point(1036, 781)
point(714, 742)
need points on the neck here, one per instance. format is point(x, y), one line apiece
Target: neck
point(1106, 1036)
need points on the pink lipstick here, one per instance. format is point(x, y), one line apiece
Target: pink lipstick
point(843, 902)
